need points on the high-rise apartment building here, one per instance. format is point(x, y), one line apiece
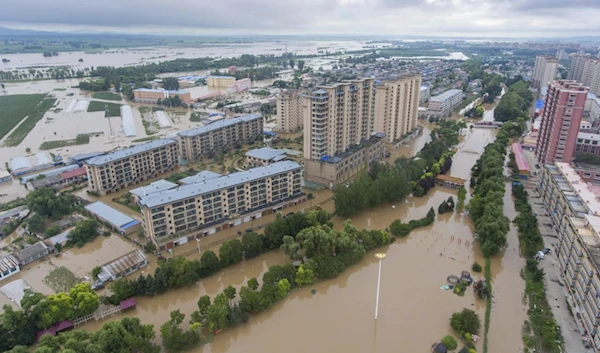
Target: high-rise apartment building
point(216, 200)
point(289, 111)
point(562, 55)
point(397, 106)
point(576, 69)
point(337, 117)
point(544, 71)
point(565, 102)
point(586, 70)
point(117, 170)
point(216, 137)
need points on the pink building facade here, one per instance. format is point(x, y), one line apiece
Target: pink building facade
point(561, 118)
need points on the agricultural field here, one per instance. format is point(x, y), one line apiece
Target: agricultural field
point(107, 96)
point(114, 109)
point(79, 140)
point(15, 108)
point(34, 115)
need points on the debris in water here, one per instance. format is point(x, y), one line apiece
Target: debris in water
point(314, 291)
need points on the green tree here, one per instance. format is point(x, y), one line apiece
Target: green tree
point(84, 232)
point(304, 276)
point(231, 252)
point(301, 65)
point(217, 315)
point(252, 244)
point(230, 292)
point(174, 338)
point(52, 231)
point(170, 83)
point(96, 271)
point(36, 224)
point(85, 300)
point(209, 263)
point(253, 283)
point(283, 288)
point(465, 321)
point(292, 248)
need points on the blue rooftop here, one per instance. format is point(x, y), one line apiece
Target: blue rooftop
point(539, 104)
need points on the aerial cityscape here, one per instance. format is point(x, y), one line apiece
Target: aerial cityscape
point(340, 176)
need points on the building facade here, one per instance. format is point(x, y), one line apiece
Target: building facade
point(443, 103)
point(215, 81)
point(573, 209)
point(219, 136)
point(146, 95)
point(330, 171)
point(424, 94)
point(397, 106)
point(290, 117)
point(195, 206)
point(120, 169)
point(241, 85)
point(544, 71)
point(561, 118)
point(585, 69)
point(337, 117)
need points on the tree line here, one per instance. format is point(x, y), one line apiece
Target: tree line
point(383, 183)
point(515, 103)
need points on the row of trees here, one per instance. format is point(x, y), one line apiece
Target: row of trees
point(180, 272)
point(416, 175)
point(253, 73)
point(399, 229)
point(515, 104)
point(542, 321)
point(39, 312)
point(486, 206)
point(125, 335)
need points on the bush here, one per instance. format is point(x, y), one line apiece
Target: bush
point(465, 321)
point(449, 342)
point(52, 231)
point(400, 229)
point(476, 267)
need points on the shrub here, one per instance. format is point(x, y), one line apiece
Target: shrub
point(449, 342)
point(465, 321)
point(476, 267)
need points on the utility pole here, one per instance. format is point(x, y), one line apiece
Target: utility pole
point(380, 256)
point(107, 115)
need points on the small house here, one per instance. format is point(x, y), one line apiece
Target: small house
point(8, 266)
point(31, 253)
point(123, 266)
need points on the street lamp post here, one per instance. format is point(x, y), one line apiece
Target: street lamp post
point(198, 242)
point(380, 256)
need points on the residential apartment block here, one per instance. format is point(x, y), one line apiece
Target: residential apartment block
point(424, 94)
point(146, 95)
point(215, 81)
point(561, 118)
point(573, 208)
point(289, 107)
point(443, 103)
point(337, 116)
point(544, 71)
point(219, 136)
point(588, 143)
point(264, 156)
point(195, 206)
point(241, 85)
point(397, 106)
point(117, 170)
point(585, 69)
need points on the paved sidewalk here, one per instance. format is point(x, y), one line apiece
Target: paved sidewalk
point(556, 290)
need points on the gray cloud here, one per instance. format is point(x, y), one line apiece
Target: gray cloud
point(392, 17)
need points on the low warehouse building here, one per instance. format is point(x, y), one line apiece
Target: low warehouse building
point(117, 220)
point(31, 253)
point(123, 266)
point(8, 266)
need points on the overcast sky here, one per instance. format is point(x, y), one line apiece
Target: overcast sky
point(491, 18)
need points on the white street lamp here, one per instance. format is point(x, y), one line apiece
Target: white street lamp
point(198, 242)
point(380, 256)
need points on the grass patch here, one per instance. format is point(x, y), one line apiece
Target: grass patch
point(79, 140)
point(155, 109)
point(146, 139)
point(59, 89)
point(195, 117)
point(61, 279)
point(19, 134)
point(114, 109)
point(15, 108)
point(106, 96)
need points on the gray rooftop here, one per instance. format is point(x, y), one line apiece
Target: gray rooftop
point(30, 251)
point(443, 96)
point(200, 177)
point(152, 188)
point(192, 190)
point(219, 125)
point(266, 153)
point(125, 262)
point(83, 156)
point(109, 214)
point(127, 152)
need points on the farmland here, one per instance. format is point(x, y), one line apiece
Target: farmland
point(79, 140)
point(113, 108)
point(107, 96)
point(34, 110)
point(15, 108)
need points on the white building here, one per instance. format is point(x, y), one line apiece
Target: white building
point(443, 103)
point(592, 106)
point(544, 71)
point(424, 94)
point(8, 266)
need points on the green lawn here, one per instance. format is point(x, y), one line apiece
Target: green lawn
point(15, 108)
point(107, 96)
point(79, 140)
point(35, 114)
point(195, 117)
point(146, 139)
point(114, 109)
